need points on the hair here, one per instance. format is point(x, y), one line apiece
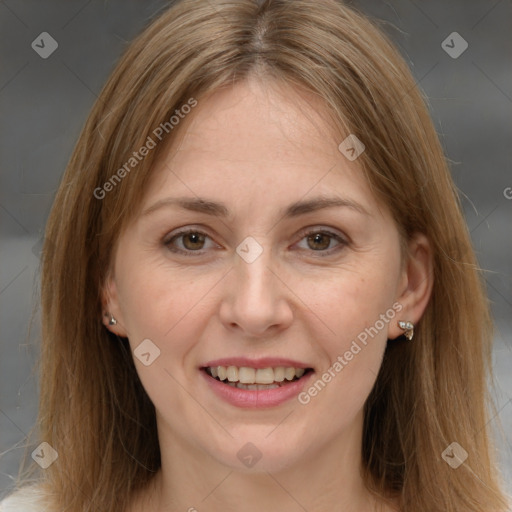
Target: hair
point(429, 392)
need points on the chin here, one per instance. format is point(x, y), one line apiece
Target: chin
point(257, 451)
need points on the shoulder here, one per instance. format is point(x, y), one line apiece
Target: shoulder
point(25, 499)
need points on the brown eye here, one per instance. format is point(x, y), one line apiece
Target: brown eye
point(187, 242)
point(319, 241)
point(193, 241)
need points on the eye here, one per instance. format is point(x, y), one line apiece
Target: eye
point(320, 240)
point(193, 241)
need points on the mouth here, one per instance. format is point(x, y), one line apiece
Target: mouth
point(256, 379)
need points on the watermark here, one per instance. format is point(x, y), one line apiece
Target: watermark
point(454, 45)
point(44, 45)
point(146, 352)
point(343, 360)
point(168, 126)
point(44, 455)
point(151, 142)
point(454, 455)
point(249, 249)
point(351, 147)
point(249, 455)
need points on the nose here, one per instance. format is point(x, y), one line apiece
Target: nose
point(257, 299)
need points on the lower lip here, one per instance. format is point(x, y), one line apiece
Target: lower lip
point(256, 398)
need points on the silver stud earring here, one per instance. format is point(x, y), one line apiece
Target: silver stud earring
point(408, 327)
point(111, 320)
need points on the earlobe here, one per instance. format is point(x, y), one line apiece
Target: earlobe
point(416, 284)
point(110, 318)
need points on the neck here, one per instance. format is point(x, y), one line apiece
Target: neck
point(326, 478)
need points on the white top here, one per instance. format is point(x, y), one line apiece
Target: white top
point(27, 499)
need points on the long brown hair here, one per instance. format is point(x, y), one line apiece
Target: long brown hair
point(429, 393)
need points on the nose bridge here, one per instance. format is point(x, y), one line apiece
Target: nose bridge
point(252, 268)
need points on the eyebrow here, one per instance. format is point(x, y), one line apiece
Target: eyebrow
point(217, 209)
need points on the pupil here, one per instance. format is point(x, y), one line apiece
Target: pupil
point(315, 238)
point(196, 239)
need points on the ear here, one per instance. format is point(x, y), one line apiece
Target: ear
point(110, 306)
point(416, 282)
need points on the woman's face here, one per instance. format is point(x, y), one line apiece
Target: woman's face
point(265, 279)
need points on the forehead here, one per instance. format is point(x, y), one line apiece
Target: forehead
point(258, 120)
point(257, 143)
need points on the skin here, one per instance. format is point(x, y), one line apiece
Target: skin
point(258, 147)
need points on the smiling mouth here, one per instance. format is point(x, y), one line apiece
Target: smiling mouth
point(256, 378)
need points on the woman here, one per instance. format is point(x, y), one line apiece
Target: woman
point(261, 293)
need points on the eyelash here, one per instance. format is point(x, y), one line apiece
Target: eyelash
point(343, 242)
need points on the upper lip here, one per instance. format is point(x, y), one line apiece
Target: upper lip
point(264, 362)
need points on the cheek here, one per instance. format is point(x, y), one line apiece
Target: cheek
point(168, 306)
point(358, 309)
point(351, 301)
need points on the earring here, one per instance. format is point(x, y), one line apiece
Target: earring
point(408, 327)
point(111, 320)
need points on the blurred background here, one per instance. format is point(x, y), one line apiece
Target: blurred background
point(47, 90)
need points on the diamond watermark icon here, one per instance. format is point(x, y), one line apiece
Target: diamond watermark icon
point(146, 352)
point(44, 44)
point(351, 147)
point(249, 455)
point(44, 455)
point(454, 45)
point(249, 250)
point(454, 455)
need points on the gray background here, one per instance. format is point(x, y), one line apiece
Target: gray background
point(44, 103)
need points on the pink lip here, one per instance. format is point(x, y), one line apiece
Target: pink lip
point(256, 399)
point(265, 362)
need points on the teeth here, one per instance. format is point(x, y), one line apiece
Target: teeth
point(265, 375)
point(279, 374)
point(221, 371)
point(250, 378)
point(247, 375)
point(232, 373)
point(289, 373)
point(256, 386)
